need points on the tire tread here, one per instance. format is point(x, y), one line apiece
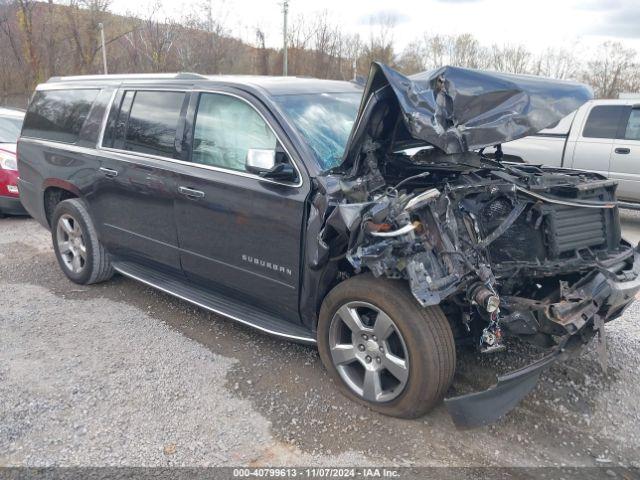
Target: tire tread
point(426, 328)
point(101, 267)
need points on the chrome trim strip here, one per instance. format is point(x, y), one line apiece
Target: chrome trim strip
point(99, 146)
point(308, 340)
point(104, 153)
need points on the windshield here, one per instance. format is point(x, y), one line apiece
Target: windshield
point(324, 120)
point(10, 129)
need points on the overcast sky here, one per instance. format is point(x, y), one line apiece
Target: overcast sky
point(537, 24)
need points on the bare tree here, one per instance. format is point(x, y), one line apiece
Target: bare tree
point(557, 63)
point(262, 53)
point(379, 47)
point(607, 70)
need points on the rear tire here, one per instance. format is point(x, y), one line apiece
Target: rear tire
point(422, 342)
point(80, 254)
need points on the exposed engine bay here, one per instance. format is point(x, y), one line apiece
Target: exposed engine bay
point(505, 249)
point(508, 247)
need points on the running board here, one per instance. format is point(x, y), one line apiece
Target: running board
point(629, 205)
point(245, 314)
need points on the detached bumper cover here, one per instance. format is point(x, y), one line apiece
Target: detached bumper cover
point(482, 408)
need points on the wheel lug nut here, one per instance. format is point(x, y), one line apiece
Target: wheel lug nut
point(361, 347)
point(381, 349)
point(375, 339)
point(378, 359)
point(367, 359)
point(365, 336)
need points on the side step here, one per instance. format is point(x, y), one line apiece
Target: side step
point(629, 205)
point(244, 314)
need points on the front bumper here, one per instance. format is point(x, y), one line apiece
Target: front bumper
point(11, 206)
point(603, 297)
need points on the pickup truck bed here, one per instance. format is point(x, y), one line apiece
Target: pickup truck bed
point(602, 136)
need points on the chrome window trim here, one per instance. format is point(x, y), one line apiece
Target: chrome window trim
point(100, 147)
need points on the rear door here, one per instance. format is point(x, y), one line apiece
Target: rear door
point(239, 234)
point(625, 161)
point(133, 199)
point(594, 145)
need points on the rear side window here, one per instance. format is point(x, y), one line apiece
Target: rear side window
point(58, 115)
point(603, 121)
point(632, 131)
point(147, 122)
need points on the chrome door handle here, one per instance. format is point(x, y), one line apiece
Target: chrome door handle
point(190, 192)
point(109, 172)
point(623, 151)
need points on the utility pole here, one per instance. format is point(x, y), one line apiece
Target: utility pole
point(285, 11)
point(104, 48)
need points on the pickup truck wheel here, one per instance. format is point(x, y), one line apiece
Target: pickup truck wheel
point(383, 349)
point(79, 252)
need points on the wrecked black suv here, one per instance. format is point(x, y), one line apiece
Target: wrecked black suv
point(369, 222)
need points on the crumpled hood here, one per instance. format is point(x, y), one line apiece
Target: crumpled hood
point(457, 109)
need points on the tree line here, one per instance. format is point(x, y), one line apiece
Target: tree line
point(39, 40)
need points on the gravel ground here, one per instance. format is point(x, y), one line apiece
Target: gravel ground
point(120, 374)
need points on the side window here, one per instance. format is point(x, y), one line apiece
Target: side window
point(633, 125)
point(58, 115)
point(117, 123)
point(225, 128)
point(152, 123)
point(603, 121)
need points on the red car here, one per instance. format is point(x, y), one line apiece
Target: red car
point(10, 126)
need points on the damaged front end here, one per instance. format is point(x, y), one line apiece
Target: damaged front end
point(507, 250)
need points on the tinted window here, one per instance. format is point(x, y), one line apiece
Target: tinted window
point(58, 114)
point(152, 123)
point(226, 127)
point(633, 125)
point(603, 121)
point(10, 129)
point(324, 120)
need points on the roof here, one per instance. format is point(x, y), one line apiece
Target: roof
point(269, 84)
point(11, 112)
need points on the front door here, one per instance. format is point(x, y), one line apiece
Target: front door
point(625, 161)
point(595, 142)
point(239, 234)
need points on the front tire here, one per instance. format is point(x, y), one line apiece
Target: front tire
point(80, 254)
point(384, 350)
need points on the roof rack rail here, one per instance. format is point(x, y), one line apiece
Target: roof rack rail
point(189, 76)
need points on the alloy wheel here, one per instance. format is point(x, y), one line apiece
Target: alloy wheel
point(369, 352)
point(71, 245)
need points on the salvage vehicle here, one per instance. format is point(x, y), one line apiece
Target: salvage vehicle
point(367, 221)
point(602, 136)
point(10, 125)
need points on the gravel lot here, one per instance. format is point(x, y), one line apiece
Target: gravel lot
point(120, 374)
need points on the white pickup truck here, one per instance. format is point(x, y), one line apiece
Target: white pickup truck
point(601, 136)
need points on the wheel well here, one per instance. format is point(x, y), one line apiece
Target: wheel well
point(52, 197)
point(513, 158)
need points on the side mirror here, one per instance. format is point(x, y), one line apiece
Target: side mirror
point(260, 160)
point(270, 164)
